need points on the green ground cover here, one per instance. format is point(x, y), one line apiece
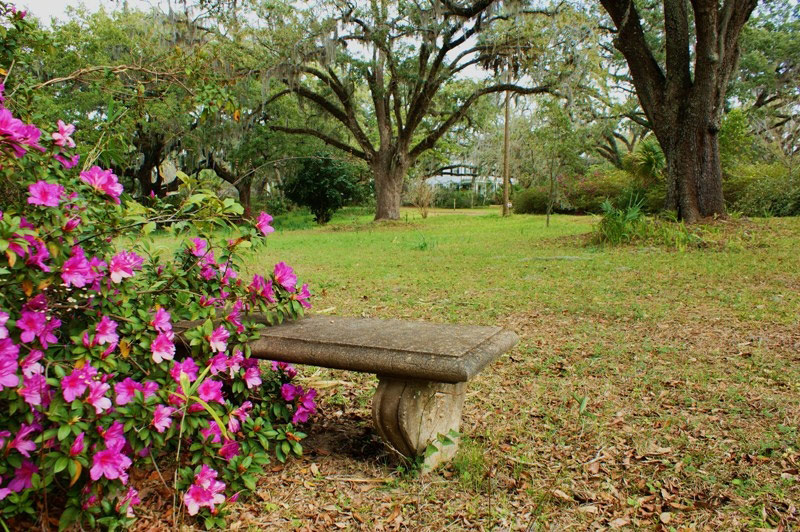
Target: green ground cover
point(651, 387)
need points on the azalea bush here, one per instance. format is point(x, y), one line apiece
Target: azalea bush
point(115, 356)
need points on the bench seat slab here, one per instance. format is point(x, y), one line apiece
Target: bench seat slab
point(437, 352)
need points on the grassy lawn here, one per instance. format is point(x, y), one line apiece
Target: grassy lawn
point(651, 387)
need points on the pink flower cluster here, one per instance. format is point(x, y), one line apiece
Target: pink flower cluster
point(206, 491)
point(17, 135)
point(103, 181)
point(262, 224)
point(305, 406)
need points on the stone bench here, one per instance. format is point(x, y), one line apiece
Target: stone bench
point(422, 369)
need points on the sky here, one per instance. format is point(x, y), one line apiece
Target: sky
point(46, 9)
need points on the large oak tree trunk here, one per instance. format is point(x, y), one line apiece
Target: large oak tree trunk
point(684, 101)
point(389, 172)
point(694, 174)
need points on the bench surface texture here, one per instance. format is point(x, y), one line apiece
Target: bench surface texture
point(438, 352)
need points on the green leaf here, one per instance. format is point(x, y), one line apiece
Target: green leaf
point(68, 517)
point(63, 432)
point(61, 464)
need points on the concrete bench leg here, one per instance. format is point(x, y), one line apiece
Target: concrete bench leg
point(411, 414)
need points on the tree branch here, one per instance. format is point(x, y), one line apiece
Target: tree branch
point(330, 141)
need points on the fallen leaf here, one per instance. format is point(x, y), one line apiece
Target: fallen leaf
point(394, 515)
point(561, 495)
point(619, 522)
point(665, 517)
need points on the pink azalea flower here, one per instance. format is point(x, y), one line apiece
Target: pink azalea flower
point(212, 430)
point(261, 287)
point(31, 324)
point(210, 390)
point(162, 417)
point(149, 389)
point(290, 392)
point(188, 367)
point(198, 247)
point(161, 320)
point(8, 364)
point(23, 476)
point(207, 301)
point(17, 135)
point(20, 441)
point(234, 363)
point(123, 264)
point(114, 436)
point(62, 136)
point(3, 319)
point(45, 194)
point(37, 253)
point(4, 434)
point(303, 296)
point(218, 363)
point(240, 414)
point(4, 492)
point(234, 316)
point(218, 339)
point(285, 367)
point(46, 337)
point(229, 449)
point(207, 272)
point(77, 446)
point(34, 390)
point(68, 164)
point(284, 276)
point(126, 391)
point(106, 331)
point(305, 408)
point(30, 364)
point(76, 271)
point(252, 377)
point(97, 397)
point(205, 492)
point(71, 224)
point(163, 347)
point(111, 464)
point(228, 274)
point(8, 349)
point(97, 266)
point(103, 181)
point(131, 499)
point(91, 501)
point(263, 222)
point(39, 302)
point(73, 386)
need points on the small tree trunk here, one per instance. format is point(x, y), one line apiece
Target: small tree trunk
point(244, 188)
point(694, 173)
point(550, 198)
point(506, 149)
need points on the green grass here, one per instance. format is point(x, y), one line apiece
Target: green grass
point(647, 380)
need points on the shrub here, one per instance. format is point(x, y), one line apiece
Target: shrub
point(421, 195)
point(532, 200)
point(763, 190)
point(449, 198)
point(586, 194)
point(620, 225)
point(646, 162)
point(95, 379)
point(324, 185)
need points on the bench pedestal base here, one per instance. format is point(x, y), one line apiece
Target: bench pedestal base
point(410, 414)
